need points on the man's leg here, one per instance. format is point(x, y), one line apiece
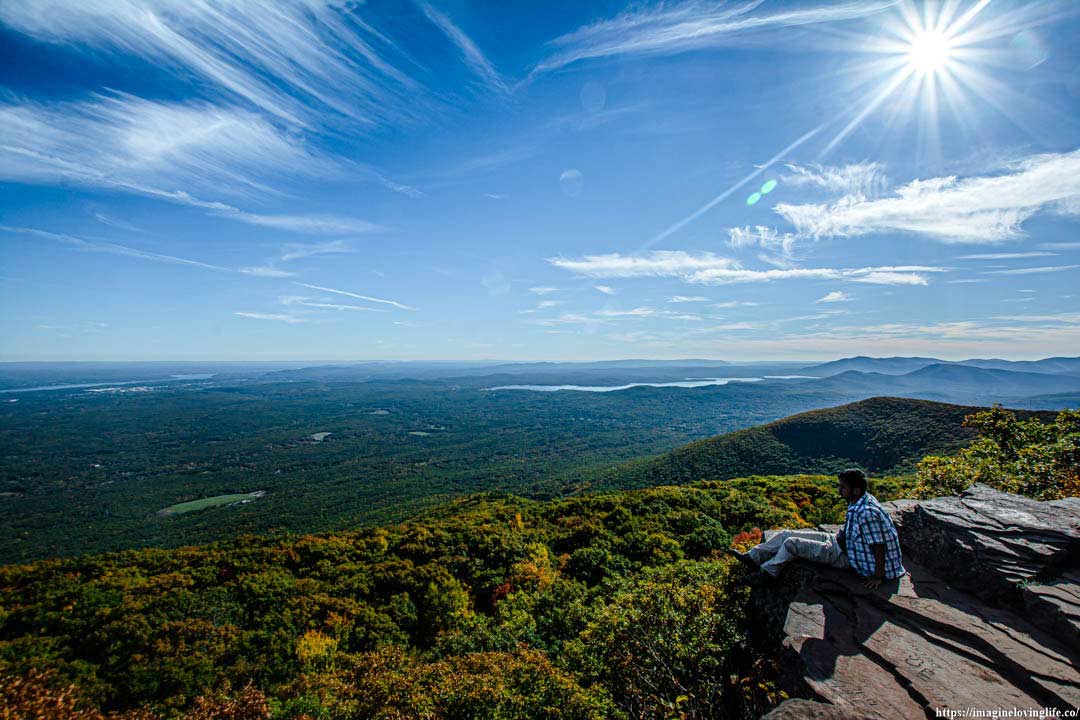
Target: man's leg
point(765, 551)
point(819, 547)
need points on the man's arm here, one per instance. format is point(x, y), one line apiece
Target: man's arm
point(841, 539)
point(879, 567)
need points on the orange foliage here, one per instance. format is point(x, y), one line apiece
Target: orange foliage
point(41, 696)
point(746, 540)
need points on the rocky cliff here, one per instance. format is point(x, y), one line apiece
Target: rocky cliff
point(988, 617)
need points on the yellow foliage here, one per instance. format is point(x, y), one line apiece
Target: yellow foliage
point(314, 648)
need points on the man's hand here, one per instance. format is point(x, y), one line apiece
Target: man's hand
point(874, 582)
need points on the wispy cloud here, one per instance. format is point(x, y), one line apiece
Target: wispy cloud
point(834, 297)
point(294, 61)
point(128, 144)
point(867, 179)
point(989, 208)
point(708, 268)
point(688, 299)
point(734, 303)
point(680, 27)
point(280, 317)
point(606, 289)
point(89, 245)
point(497, 196)
point(116, 222)
point(265, 271)
point(474, 58)
point(1004, 256)
point(1032, 270)
point(761, 236)
point(346, 293)
point(294, 300)
point(645, 312)
point(310, 224)
point(296, 251)
point(545, 304)
point(543, 290)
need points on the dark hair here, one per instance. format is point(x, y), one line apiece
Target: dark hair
point(853, 478)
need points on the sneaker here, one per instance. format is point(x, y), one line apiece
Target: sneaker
point(744, 558)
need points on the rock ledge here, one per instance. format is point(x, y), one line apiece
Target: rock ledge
point(988, 617)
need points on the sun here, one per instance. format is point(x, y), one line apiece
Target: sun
point(929, 52)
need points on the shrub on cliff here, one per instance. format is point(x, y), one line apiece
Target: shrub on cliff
point(1028, 457)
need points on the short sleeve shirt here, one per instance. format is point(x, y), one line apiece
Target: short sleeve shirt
point(868, 524)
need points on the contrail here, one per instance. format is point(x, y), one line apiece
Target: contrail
point(727, 193)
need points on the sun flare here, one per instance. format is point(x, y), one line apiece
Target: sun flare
point(929, 52)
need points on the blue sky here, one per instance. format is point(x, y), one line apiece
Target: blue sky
point(562, 181)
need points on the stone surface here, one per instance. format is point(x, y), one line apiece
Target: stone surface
point(1006, 549)
point(798, 709)
point(999, 633)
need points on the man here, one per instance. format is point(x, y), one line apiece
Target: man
point(868, 542)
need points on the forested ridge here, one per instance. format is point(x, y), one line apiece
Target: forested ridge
point(884, 435)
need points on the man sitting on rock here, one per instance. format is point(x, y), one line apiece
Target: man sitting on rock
point(868, 541)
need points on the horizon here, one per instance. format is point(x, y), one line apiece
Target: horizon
point(526, 361)
point(455, 182)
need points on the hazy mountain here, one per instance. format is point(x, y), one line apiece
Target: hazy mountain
point(862, 363)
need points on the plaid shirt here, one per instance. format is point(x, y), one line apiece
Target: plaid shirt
point(868, 524)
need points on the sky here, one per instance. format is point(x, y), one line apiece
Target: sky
point(454, 180)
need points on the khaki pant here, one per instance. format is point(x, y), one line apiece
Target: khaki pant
point(786, 545)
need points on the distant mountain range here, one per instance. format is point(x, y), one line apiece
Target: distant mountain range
point(882, 435)
point(904, 365)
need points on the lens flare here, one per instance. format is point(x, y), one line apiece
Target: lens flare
point(929, 52)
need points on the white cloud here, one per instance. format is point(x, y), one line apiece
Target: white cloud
point(761, 236)
point(1061, 246)
point(658, 263)
point(735, 303)
point(280, 317)
point(311, 224)
point(292, 60)
point(544, 304)
point(688, 299)
point(680, 27)
point(1032, 270)
point(123, 143)
point(346, 293)
point(643, 312)
point(543, 290)
point(606, 289)
point(710, 269)
point(866, 179)
point(567, 319)
point(976, 209)
point(264, 271)
point(112, 248)
point(472, 54)
point(296, 251)
point(1004, 256)
point(835, 296)
point(293, 300)
point(497, 196)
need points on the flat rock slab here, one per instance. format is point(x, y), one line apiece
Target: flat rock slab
point(1004, 548)
point(906, 649)
point(799, 709)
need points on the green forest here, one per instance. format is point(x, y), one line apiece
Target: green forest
point(104, 467)
point(605, 605)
